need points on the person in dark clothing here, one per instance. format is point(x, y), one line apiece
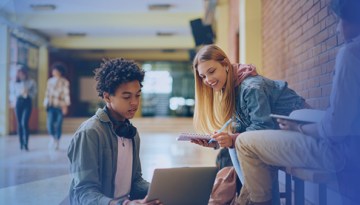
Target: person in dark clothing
point(25, 91)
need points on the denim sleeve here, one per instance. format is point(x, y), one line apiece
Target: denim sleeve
point(83, 164)
point(258, 108)
point(139, 187)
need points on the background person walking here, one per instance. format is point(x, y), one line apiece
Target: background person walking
point(25, 91)
point(57, 100)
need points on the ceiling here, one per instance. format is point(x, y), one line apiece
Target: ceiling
point(108, 24)
point(105, 6)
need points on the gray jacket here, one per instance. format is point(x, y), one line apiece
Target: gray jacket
point(92, 154)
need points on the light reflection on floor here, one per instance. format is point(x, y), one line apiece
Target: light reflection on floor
point(163, 151)
point(43, 174)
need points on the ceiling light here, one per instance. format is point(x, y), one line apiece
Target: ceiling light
point(165, 33)
point(43, 7)
point(76, 34)
point(159, 6)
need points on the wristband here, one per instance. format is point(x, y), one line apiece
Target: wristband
point(300, 130)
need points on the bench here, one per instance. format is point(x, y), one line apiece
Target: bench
point(299, 175)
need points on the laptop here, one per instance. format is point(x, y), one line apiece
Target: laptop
point(180, 186)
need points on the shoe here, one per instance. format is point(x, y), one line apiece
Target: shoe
point(57, 145)
point(51, 143)
point(26, 148)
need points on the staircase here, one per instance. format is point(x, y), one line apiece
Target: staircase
point(144, 124)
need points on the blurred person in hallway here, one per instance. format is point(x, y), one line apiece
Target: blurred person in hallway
point(103, 154)
point(332, 144)
point(57, 100)
point(25, 91)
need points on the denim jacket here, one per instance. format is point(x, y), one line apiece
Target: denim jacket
point(92, 154)
point(258, 97)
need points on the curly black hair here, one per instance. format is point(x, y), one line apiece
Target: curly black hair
point(114, 72)
point(60, 68)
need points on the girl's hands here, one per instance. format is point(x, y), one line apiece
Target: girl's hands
point(204, 143)
point(223, 138)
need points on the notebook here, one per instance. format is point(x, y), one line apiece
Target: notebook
point(189, 136)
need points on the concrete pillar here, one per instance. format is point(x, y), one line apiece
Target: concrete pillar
point(251, 33)
point(42, 78)
point(222, 25)
point(4, 82)
point(234, 30)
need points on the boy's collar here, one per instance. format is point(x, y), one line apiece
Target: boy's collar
point(103, 116)
point(115, 122)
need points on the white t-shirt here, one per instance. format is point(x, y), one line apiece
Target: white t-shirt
point(124, 169)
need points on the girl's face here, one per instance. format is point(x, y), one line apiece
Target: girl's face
point(213, 74)
point(22, 76)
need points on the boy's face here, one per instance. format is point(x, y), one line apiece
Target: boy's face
point(56, 73)
point(346, 29)
point(125, 101)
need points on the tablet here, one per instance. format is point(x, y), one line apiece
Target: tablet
point(303, 116)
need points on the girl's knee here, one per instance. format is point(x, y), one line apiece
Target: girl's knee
point(248, 139)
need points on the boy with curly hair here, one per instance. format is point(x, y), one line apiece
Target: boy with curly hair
point(104, 152)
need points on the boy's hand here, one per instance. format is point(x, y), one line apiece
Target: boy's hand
point(288, 125)
point(143, 201)
point(223, 138)
point(204, 143)
point(65, 110)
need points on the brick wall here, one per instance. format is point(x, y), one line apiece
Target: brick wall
point(300, 43)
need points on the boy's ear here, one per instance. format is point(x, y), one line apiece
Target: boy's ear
point(106, 97)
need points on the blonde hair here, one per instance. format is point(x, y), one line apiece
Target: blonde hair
point(213, 109)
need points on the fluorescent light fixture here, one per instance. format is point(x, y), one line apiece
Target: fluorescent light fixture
point(159, 6)
point(76, 34)
point(165, 33)
point(43, 7)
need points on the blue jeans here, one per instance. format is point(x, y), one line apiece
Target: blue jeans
point(23, 110)
point(275, 187)
point(54, 121)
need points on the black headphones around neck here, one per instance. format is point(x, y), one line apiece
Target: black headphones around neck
point(125, 129)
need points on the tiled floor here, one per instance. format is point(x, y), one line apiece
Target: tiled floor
point(41, 176)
